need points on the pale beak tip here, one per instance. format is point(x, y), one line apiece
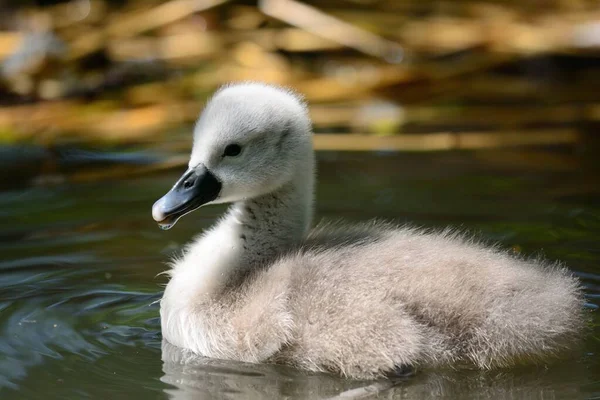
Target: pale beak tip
point(158, 210)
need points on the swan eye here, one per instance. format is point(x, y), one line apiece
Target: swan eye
point(232, 150)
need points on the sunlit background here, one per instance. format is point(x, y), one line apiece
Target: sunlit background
point(483, 115)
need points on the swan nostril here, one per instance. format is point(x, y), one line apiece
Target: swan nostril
point(188, 184)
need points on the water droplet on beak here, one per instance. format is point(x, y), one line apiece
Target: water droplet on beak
point(165, 227)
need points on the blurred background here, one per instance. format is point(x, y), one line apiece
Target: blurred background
point(480, 114)
point(436, 75)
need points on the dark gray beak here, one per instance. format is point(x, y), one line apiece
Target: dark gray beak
point(195, 188)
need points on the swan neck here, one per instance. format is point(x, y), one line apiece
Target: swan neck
point(273, 223)
point(251, 235)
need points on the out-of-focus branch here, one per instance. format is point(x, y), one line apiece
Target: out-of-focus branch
point(321, 24)
point(138, 22)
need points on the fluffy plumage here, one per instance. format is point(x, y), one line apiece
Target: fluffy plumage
point(358, 300)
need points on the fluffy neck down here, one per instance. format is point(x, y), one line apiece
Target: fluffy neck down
point(250, 235)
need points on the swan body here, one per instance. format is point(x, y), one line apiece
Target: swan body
point(360, 300)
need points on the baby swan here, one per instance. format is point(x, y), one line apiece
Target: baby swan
point(362, 301)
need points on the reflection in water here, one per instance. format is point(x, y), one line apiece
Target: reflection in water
point(202, 378)
point(78, 278)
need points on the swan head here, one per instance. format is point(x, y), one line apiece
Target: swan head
point(250, 139)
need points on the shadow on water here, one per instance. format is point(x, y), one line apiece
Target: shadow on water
point(79, 285)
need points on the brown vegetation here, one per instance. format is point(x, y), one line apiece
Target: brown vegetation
point(438, 74)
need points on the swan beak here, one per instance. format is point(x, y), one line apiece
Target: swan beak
point(195, 188)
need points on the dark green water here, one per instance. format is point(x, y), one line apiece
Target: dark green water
point(79, 263)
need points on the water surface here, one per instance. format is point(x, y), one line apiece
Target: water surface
point(79, 265)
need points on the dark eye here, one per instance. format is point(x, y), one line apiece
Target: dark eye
point(232, 150)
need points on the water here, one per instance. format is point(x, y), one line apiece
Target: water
point(79, 266)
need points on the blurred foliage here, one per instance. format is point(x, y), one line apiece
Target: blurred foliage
point(444, 74)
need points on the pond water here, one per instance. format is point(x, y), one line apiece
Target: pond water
point(79, 265)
